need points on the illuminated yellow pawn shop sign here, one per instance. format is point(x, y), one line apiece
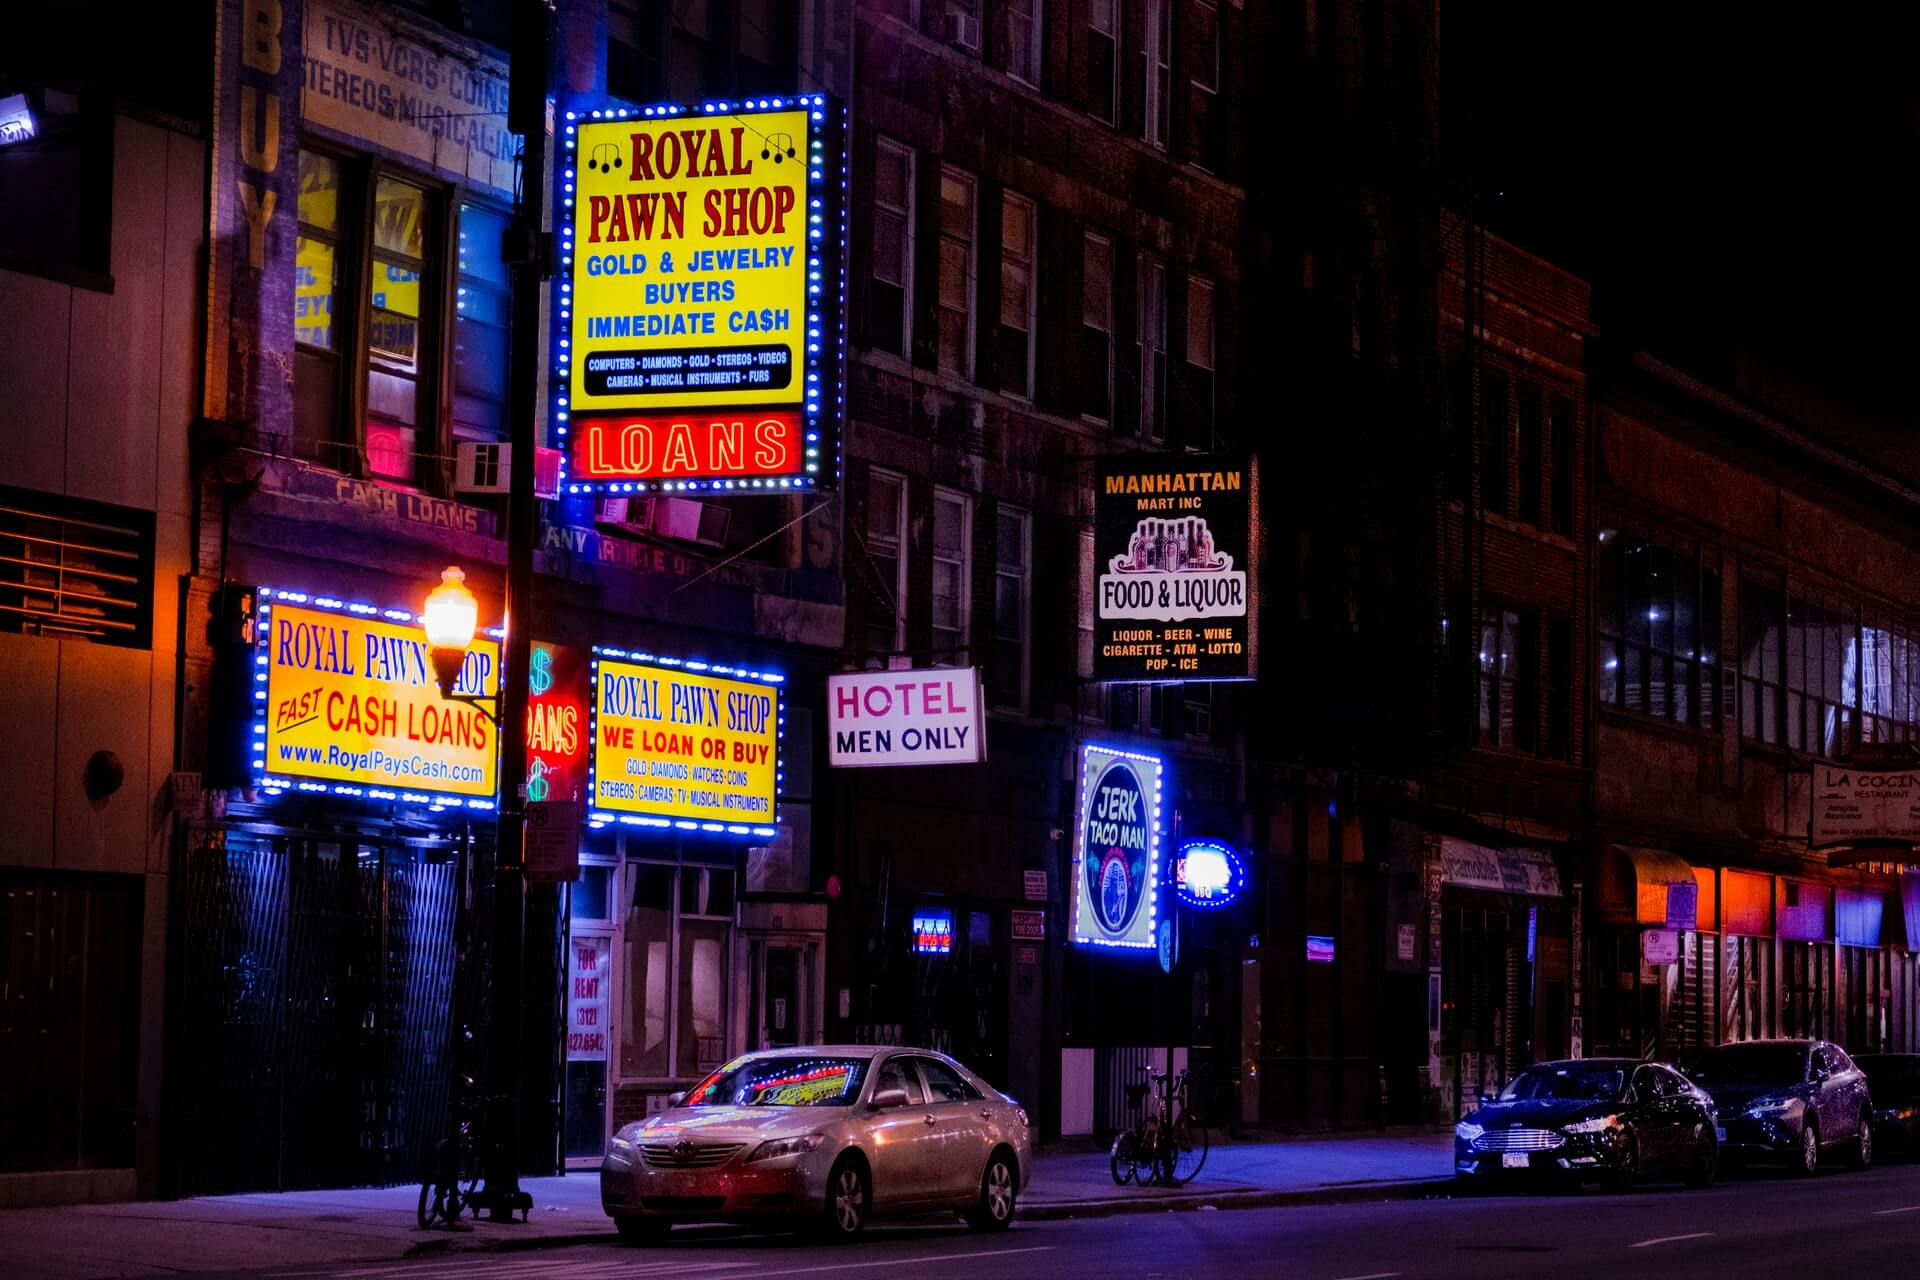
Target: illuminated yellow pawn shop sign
point(686, 745)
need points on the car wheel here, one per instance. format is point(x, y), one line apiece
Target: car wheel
point(1809, 1162)
point(998, 1188)
point(1628, 1171)
point(1708, 1165)
point(642, 1230)
point(1862, 1157)
point(848, 1196)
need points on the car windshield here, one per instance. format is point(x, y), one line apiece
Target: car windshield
point(1568, 1083)
point(798, 1080)
point(1751, 1064)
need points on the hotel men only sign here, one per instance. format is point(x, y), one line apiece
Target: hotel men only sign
point(905, 717)
point(1175, 576)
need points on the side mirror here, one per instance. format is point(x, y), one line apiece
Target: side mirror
point(675, 1099)
point(1486, 1099)
point(886, 1098)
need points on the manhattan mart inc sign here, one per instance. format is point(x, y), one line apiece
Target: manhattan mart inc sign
point(877, 718)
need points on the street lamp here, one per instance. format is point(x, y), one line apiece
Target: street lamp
point(449, 619)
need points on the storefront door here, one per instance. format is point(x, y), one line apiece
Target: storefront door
point(783, 973)
point(590, 1009)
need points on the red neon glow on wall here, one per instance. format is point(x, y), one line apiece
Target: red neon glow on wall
point(689, 445)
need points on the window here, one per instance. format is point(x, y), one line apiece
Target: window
point(1559, 690)
point(1024, 40)
point(1084, 611)
point(1560, 443)
point(1202, 62)
point(898, 1073)
point(1658, 611)
point(633, 44)
point(1200, 358)
point(1495, 442)
point(956, 273)
point(1507, 679)
point(1150, 340)
point(1197, 703)
point(1019, 294)
point(480, 328)
point(678, 934)
point(1889, 683)
point(886, 593)
point(75, 569)
point(1012, 585)
point(1103, 86)
point(952, 572)
point(689, 50)
point(1096, 327)
point(891, 289)
point(1156, 56)
point(944, 1084)
point(384, 362)
point(1529, 421)
point(1760, 656)
point(1822, 674)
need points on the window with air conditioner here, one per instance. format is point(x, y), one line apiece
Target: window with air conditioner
point(75, 569)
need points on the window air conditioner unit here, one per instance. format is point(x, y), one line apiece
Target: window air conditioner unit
point(702, 522)
point(963, 31)
point(487, 467)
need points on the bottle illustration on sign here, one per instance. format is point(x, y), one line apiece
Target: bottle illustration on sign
point(1172, 546)
point(1172, 570)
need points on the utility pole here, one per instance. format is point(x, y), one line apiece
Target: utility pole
point(527, 253)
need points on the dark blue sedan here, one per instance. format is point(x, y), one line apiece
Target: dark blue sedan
point(1788, 1100)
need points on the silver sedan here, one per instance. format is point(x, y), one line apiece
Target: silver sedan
point(830, 1135)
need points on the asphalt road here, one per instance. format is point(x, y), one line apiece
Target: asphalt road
point(1759, 1225)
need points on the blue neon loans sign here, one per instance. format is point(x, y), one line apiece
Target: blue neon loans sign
point(1207, 874)
point(1117, 848)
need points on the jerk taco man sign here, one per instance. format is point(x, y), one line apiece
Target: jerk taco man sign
point(698, 314)
point(1116, 849)
point(1174, 567)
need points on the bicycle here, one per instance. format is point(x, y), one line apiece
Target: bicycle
point(1167, 1145)
point(454, 1181)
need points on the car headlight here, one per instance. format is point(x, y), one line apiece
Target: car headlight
point(1467, 1130)
point(620, 1144)
point(1770, 1106)
point(1599, 1124)
point(777, 1147)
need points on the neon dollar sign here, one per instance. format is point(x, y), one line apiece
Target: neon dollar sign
point(540, 670)
point(537, 785)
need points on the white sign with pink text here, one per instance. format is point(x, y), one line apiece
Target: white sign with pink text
point(905, 718)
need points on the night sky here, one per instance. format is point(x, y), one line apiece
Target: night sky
point(1726, 174)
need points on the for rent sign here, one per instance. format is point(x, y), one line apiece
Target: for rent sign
point(905, 717)
point(701, 247)
point(690, 745)
point(350, 701)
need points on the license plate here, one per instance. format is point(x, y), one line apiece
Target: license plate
point(1512, 1161)
point(1722, 1132)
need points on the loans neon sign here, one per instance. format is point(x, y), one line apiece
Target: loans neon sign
point(699, 339)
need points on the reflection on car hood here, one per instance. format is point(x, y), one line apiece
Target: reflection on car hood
point(1738, 1095)
point(737, 1124)
point(1541, 1112)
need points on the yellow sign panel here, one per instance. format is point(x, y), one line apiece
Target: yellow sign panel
point(353, 699)
point(669, 743)
point(689, 270)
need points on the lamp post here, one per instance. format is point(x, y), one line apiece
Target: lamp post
point(450, 618)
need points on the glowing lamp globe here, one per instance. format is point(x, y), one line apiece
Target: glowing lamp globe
point(450, 619)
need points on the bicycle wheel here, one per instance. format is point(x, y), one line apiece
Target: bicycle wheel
point(1186, 1152)
point(1120, 1160)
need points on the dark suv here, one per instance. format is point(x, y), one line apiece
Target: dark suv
point(1787, 1100)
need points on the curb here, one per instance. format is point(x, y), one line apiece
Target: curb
point(1350, 1193)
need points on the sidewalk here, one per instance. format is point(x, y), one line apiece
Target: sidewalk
point(85, 1242)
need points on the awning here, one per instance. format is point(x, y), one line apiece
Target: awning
point(1650, 887)
point(1474, 866)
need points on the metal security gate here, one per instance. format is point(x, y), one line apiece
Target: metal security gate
point(314, 987)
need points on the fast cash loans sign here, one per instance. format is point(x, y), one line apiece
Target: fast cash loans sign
point(1174, 564)
point(700, 341)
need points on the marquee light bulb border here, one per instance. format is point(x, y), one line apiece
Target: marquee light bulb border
point(1152, 890)
point(825, 396)
point(599, 819)
point(274, 785)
